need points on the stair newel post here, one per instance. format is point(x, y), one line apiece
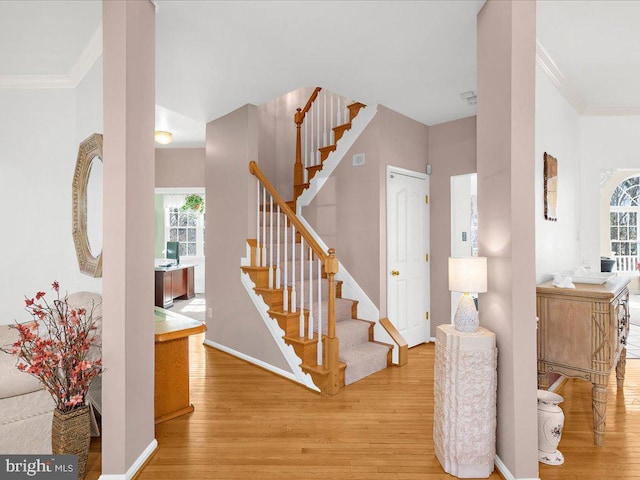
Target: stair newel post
point(278, 251)
point(293, 269)
point(298, 176)
point(270, 241)
point(263, 253)
point(302, 287)
point(257, 252)
point(310, 327)
point(319, 348)
point(332, 344)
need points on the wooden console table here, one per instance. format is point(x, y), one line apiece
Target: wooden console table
point(174, 282)
point(582, 333)
point(171, 395)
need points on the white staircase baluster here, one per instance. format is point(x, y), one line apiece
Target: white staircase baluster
point(264, 228)
point(302, 287)
point(285, 293)
point(293, 268)
point(324, 122)
point(318, 157)
point(306, 153)
point(339, 111)
point(258, 260)
point(270, 241)
point(310, 328)
point(278, 251)
point(332, 134)
point(319, 348)
point(309, 119)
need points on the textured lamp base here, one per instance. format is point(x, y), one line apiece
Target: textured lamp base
point(466, 319)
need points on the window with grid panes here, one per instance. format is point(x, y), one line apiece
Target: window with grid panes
point(187, 228)
point(624, 213)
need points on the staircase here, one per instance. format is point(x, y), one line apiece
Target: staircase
point(310, 156)
point(295, 276)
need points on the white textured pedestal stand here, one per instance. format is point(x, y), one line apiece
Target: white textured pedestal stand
point(464, 420)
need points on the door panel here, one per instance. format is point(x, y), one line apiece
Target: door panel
point(407, 247)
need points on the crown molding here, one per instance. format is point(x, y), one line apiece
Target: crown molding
point(562, 83)
point(87, 59)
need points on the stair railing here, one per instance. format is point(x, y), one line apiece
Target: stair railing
point(297, 298)
point(323, 112)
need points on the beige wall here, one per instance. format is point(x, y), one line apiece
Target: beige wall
point(506, 218)
point(179, 167)
point(277, 138)
point(128, 327)
point(349, 213)
point(452, 151)
point(232, 141)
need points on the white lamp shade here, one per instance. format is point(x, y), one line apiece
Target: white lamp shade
point(468, 274)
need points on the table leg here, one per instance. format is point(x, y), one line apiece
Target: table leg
point(599, 407)
point(543, 380)
point(621, 367)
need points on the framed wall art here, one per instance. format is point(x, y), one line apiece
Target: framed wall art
point(550, 188)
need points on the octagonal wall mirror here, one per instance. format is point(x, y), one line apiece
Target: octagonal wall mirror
point(87, 206)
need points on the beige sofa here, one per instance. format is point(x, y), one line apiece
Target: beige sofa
point(26, 409)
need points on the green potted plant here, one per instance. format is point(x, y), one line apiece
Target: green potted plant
point(193, 202)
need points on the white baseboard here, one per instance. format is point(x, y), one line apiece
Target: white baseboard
point(502, 468)
point(137, 465)
point(432, 339)
point(558, 383)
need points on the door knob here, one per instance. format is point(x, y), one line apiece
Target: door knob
point(395, 273)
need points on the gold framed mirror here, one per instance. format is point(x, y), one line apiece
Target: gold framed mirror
point(87, 206)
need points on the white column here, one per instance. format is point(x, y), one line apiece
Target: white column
point(302, 287)
point(293, 268)
point(319, 348)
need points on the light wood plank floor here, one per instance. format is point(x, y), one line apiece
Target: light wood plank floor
point(251, 424)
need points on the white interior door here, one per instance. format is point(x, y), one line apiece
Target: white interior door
point(407, 248)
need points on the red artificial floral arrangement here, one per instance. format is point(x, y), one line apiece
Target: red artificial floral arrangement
point(55, 348)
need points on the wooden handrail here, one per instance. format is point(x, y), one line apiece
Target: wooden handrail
point(317, 249)
point(397, 337)
point(306, 108)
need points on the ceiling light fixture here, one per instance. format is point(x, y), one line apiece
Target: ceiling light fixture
point(164, 138)
point(470, 97)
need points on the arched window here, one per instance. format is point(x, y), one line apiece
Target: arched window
point(624, 213)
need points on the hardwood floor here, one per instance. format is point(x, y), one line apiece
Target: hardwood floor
point(251, 424)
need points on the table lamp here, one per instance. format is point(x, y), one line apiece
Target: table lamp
point(467, 274)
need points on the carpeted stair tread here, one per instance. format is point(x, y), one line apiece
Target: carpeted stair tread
point(351, 332)
point(363, 360)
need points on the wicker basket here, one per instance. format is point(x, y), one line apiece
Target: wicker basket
point(70, 435)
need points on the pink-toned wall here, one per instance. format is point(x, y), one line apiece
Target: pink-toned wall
point(180, 167)
point(452, 151)
point(349, 213)
point(506, 218)
point(232, 141)
point(277, 138)
point(128, 327)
